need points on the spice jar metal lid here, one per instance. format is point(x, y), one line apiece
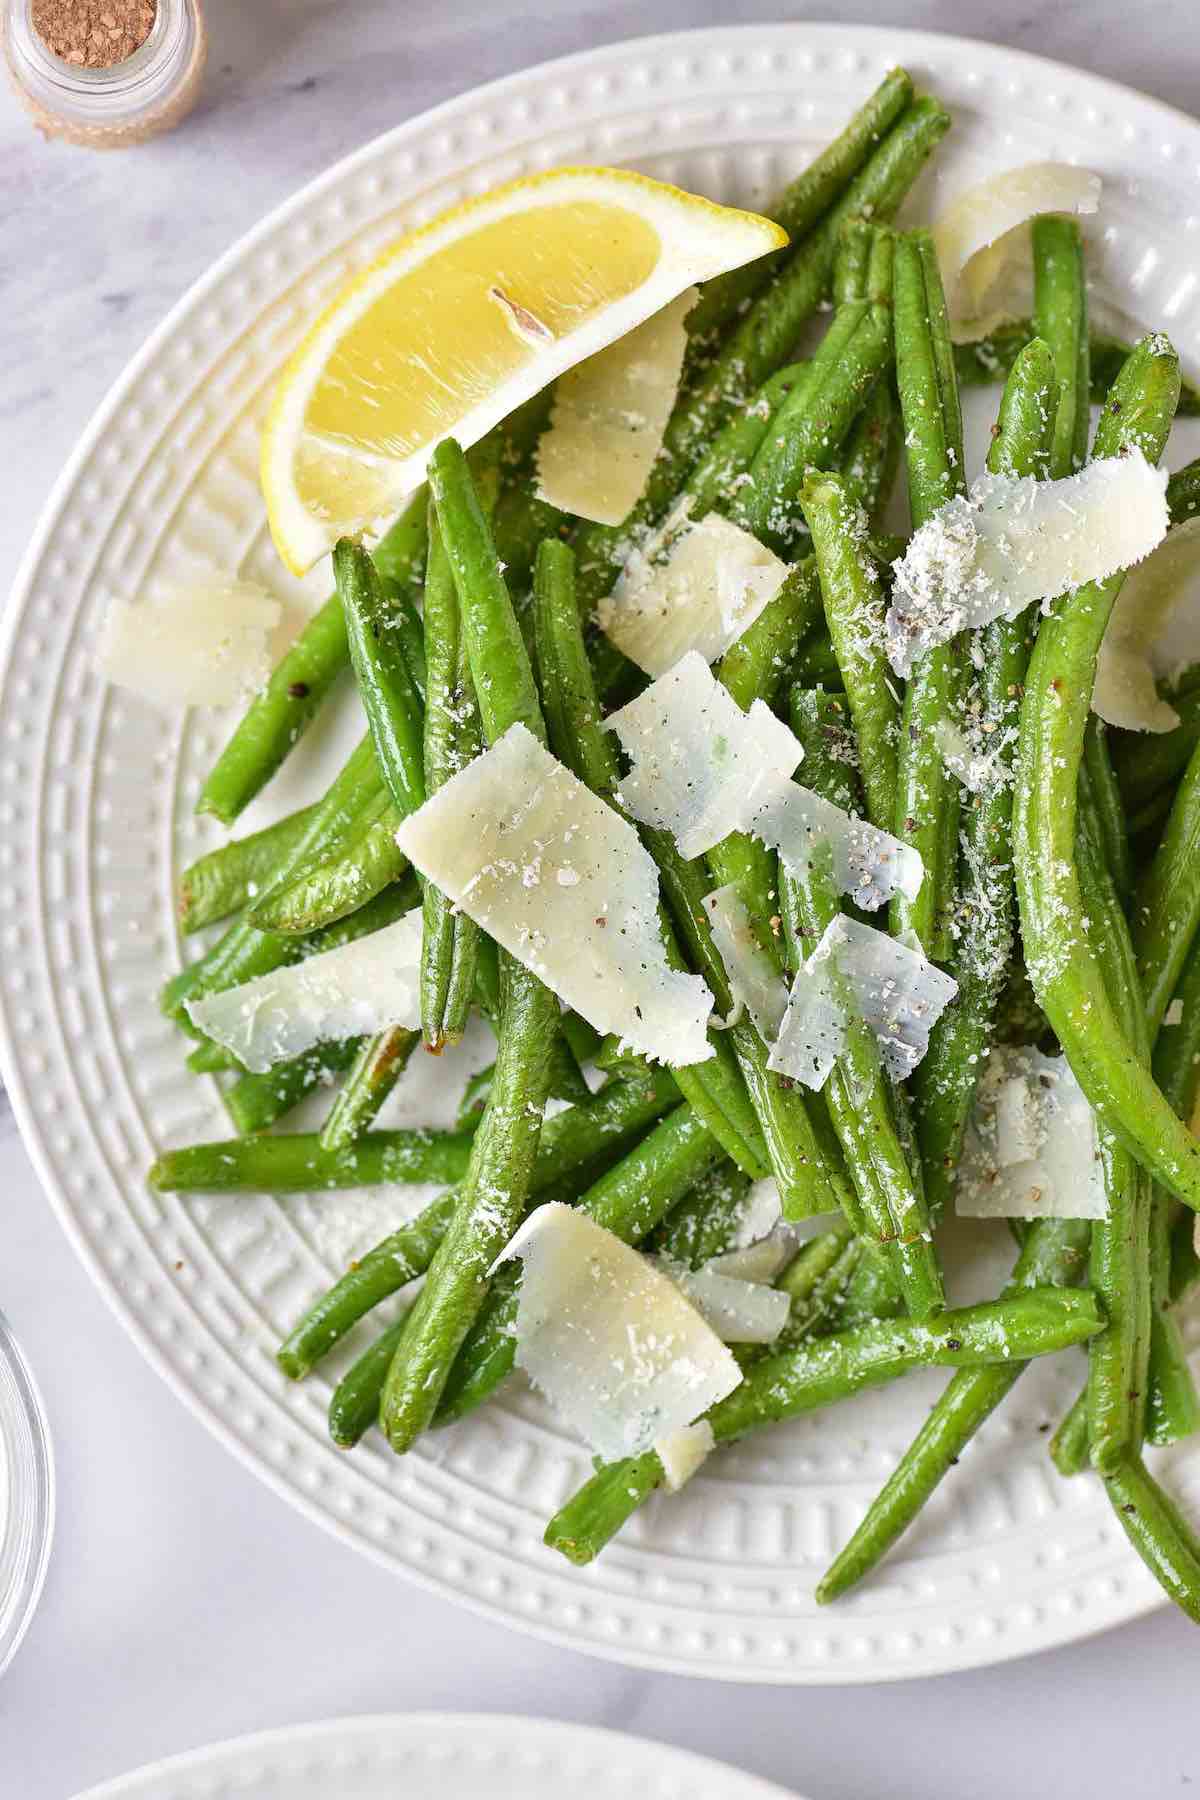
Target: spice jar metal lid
point(26, 1495)
point(106, 105)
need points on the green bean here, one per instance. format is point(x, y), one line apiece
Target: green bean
point(569, 1142)
point(990, 358)
point(630, 1200)
point(378, 1064)
point(812, 424)
point(296, 1163)
point(490, 1206)
point(1060, 320)
point(578, 739)
point(224, 880)
point(1148, 763)
point(279, 716)
point(802, 205)
point(365, 860)
point(1054, 1254)
point(1107, 808)
point(450, 943)
point(1033, 1323)
point(496, 1186)
point(1177, 1047)
point(386, 686)
point(1158, 1532)
point(763, 338)
point(1185, 1259)
point(1069, 1445)
point(756, 666)
point(890, 1204)
point(1183, 486)
point(707, 1221)
point(927, 801)
point(244, 951)
point(711, 486)
point(211, 1059)
point(854, 612)
point(256, 1101)
point(1118, 1359)
point(1166, 913)
point(1054, 714)
point(354, 1403)
point(871, 454)
point(944, 1083)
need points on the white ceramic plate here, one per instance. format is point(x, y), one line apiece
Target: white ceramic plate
point(96, 817)
point(425, 1756)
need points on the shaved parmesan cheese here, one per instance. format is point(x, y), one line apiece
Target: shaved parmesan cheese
point(689, 587)
point(702, 768)
point(987, 228)
point(206, 645)
point(1010, 542)
point(358, 989)
point(565, 885)
point(682, 1453)
point(740, 1312)
point(978, 770)
point(1174, 1013)
point(699, 762)
point(1153, 634)
point(610, 413)
point(1030, 1149)
point(858, 972)
point(754, 983)
point(761, 1213)
point(610, 1339)
point(759, 1261)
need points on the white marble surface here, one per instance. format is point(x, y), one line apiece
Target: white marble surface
point(185, 1603)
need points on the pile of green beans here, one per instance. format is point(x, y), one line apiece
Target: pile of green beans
point(1063, 894)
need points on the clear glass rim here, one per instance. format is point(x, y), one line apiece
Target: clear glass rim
point(135, 79)
point(27, 1518)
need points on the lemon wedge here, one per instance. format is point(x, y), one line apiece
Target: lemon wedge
point(459, 322)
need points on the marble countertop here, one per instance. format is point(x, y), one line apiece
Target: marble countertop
point(184, 1602)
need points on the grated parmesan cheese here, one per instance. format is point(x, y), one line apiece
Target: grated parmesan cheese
point(610, 1339)
point(1030, 1150)
point(565, 885)
point(689, 586)
point(610, 413)
point(358, 989)
point(1012, 542)
point(856, 971)
point(702, 768)
point(1153, 634)
point(206, 644)
point(986, 230)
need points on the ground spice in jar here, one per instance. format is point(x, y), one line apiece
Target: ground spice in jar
point(93, 34)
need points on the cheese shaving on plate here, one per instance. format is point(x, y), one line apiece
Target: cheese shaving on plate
point(702, 768)
point(565, 885)
point(754, 983)
point(610, 1339)
point(206, 644)
point(690, 586)
point(358, 989)
point(1030, 1150)
point(1153, 635)
point(609, 417)
point(858, 972)
point(1012, 542)
point(986, 229)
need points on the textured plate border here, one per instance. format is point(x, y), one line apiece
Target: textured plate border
point(663, 1611)
point(534, 1757)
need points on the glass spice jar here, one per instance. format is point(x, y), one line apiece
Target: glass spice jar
point(74, 95)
